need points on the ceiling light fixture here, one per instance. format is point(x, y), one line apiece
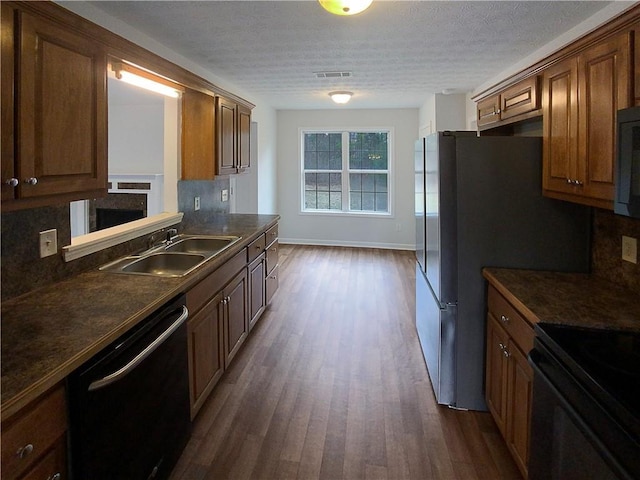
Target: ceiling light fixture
point(345, 7)
point(134, 76)
point(341, 97)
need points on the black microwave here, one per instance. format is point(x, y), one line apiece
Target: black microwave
point(627, 199)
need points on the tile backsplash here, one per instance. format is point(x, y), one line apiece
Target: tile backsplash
point(23, 270)
point(606, 249)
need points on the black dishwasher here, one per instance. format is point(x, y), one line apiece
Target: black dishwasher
point(129, 405)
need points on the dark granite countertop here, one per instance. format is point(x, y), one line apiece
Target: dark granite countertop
point(568, 298)
point(48, 333)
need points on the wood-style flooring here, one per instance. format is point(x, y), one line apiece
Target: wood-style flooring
point(331, 384)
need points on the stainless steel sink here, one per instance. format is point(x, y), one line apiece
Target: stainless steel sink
point(165, 264)
point(180, 256)
point(201, 244)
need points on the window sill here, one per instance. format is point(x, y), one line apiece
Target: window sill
point(96, 241)
point(334, 213)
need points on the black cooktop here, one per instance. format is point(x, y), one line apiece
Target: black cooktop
point(606, 361)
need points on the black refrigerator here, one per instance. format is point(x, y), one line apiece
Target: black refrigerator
point(479, 203)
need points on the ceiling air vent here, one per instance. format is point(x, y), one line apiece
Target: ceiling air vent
point(332, 74)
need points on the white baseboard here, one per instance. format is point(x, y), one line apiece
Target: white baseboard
point(341, 243)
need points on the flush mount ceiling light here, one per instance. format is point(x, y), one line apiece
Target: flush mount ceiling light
point(341, 97)
point(138, 77)
point(345, 7)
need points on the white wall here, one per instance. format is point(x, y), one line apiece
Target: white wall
point(397, 231)
point(445, 112)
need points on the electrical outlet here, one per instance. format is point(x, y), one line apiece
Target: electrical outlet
point(196, 203)
point(630, 249)
point(225, 195)
point(48, 243)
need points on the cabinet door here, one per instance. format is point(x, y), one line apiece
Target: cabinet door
point(496, 388)
point(488, 111)
point(226, 130)
point(206, 361)
point(560, 127)
point(244, 138)
point(524, 97)
point(605, 87)
point(256, 289)
point(7, 103)
point(61, 111)
point(237, 315)
point(520, 382)
point(198, 147)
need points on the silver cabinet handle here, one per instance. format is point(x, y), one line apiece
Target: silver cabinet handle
point(31, 181)
point(118, 374)
point(502, 347)
point(24, 451)
point(504, 319)
point(506, 353)
point(12, 182)
point(55, 476)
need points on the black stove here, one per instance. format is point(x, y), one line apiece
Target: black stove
point(586, 398)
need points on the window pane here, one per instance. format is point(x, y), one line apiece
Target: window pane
point(335, 182)
point(310, 181)
point(381, 202)
point(323, 200)
point(355, 201)
point(355, 182)
point(323, 181)
point(309, 142)
point(335, 200)
point(367, 182)
point(310, 199)
point(368, 151)
point(310, 160)
point(335, 162)
point(323, 160)
point(368, 201)
point(381, 182)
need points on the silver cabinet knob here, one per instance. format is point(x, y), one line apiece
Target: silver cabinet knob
point(504, 319)
point(506, 353)
point(24, 451)
point(55, 476)
point(31, 181)
point(577, 182)
point(12, 182)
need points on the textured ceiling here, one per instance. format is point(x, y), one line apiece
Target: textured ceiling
point(398, 52)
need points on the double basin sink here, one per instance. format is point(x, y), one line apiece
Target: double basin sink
point(175, 258)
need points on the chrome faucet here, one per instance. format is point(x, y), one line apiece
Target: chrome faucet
point(171, 234)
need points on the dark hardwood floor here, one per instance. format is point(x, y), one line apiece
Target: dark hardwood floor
point(331, 384)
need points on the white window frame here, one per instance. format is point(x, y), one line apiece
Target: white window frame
point(345, 172)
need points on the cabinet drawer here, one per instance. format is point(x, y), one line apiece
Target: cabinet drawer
point(32, 432)
point(272, 284)
point(515, 325)
point(203, 291)
point(53, 466)
point(272, 256)
point(272, 234)
point(488, 111)
point(255, 248)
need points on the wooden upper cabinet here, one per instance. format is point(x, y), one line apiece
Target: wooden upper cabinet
point(581, 96)
point(7, 142)
point(517, 102)
point(226, 112)
point(636, 63)
point(244, 138)
point(198, 136)
point(488, 111)
point(61, 112)
point(521, 98)
point(560, 126)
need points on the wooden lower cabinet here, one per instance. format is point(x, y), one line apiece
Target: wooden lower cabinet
point(206, 358)
point(34, 439)
point(236, 315)
point(509, 377)
point(257, 299)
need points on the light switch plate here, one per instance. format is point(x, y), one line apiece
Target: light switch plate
point(225, 195)
point(196, 203)
point(48, 243)
point(630, 249)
